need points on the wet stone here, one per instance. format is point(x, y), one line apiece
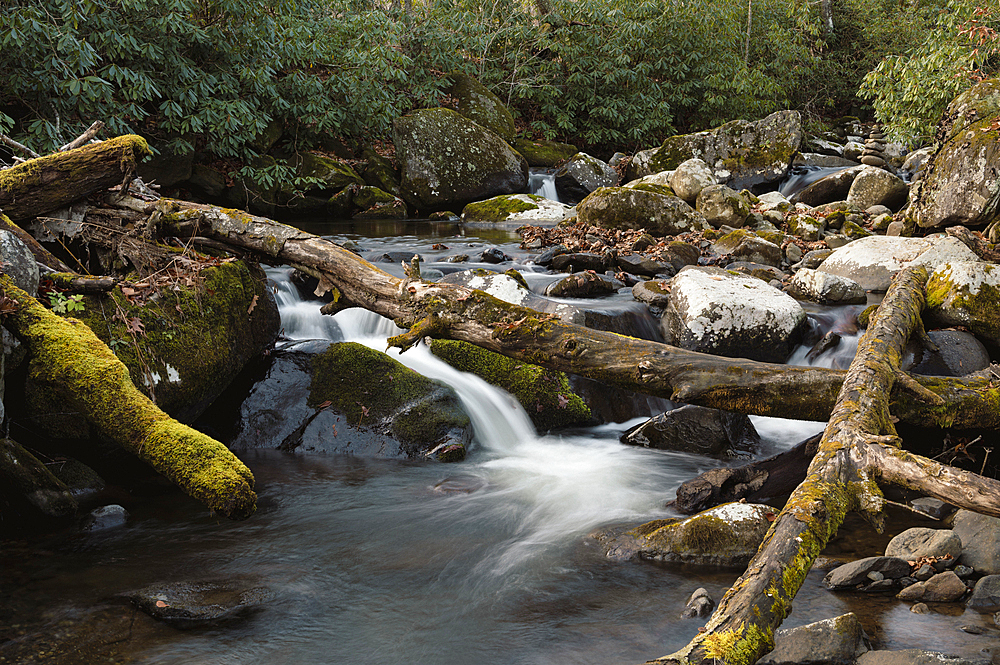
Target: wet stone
point(494, 255)
point(106, 517)
point(985, 597)
point(936, 508)
point(942, 588)
point(836, 641)
point(700, 605)
point(916, 657)
point(925, 572)
point(577, 262)
point(920, 542)
point(920, 608)
point(199, 604)
point(850, 575)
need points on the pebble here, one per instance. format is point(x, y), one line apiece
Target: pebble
point(920, 608)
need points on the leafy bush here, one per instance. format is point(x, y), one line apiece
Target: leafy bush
point(910, 90)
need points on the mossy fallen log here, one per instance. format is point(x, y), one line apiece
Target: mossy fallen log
point(26, 480)
point(859, 448)
point(39, 186)
point(446, 311)
point(70, 360)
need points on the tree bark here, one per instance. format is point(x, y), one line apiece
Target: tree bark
point(40, 186)
point(456, 312)
point(859, 446)
point(70, 360)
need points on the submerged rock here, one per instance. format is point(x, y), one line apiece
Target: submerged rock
point(714, 311)
point(700, 605)
point(199, 604)
point(696, 429)
point(545, 394)
point(727, 535)
point(106, 517)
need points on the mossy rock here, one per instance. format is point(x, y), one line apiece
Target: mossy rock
point(379, 172)
point(631, 208)
point(520, 208)
point(966, 293)
point(182, 349)
point(376, 391)
point(270, 135)
point(545, 394)
point(540, 152)
point(653, 187)
point(727, 535)
point(333, 175)
point(742, 154)
point(854, 231)
point(447, 159)
point(806, 227)
point(375, 203)
point(477, 103)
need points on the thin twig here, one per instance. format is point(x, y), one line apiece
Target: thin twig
point(83, 138)
point(19, 146)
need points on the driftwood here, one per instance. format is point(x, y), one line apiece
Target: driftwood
point(41, 254)
point(456, 312)
point(42, 185)
point(83, 138)
point(74, 283)
point(7, 141)
point(68, 359)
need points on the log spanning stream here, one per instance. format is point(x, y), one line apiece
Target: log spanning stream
point(377, 561)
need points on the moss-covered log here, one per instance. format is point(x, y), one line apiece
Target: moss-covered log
point(70, 360)
point(456, 312)
point(49, 183)
point(857, 449)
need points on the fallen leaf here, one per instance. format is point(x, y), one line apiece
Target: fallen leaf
point(135, 326)
point(160, 603)
point(253, 303)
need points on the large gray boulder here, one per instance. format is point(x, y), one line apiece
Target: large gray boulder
point(581, 175)
point(920, 542)
point(944, 587)
point(632, 208)
point(741, 154)
point(690, 177)
point(477, 103)
point(836, 641)
point(874, 186)
point(980, 536)
point(449, 160)
point(722, 206)
point(985, 597)
point(827, 189)
point(826, 289)
point(19, 262)
point(961, 178)
point(712, 310)
point(873, 261)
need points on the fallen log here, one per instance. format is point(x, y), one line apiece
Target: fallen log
point(457, 312)
point(859, 447)
point(41, 254)
point(39, 186)
point(68, 359)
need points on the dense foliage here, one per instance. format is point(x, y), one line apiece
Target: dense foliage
point(606, 74)
point(911, 89)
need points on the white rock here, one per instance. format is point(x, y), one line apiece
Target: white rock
point(715, 311)
point(773, 201)
point(825, 288)
point(873, 261)
point(690, 177)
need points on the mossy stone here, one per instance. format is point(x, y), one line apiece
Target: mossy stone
point(498, 208)
point(545, 394)
point(371, 388)
point(540, 152)
point(477, 103)
point(333, 175)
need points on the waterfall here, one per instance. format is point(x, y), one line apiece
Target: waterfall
point(543, 184)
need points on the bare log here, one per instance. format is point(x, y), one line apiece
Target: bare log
point(83, 138)
point(49, 183)
point(8, 141)
point(858, 440)
point(74, 283)
point(456, 312)
point(70, 360)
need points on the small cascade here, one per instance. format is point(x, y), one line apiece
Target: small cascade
point(543, 183)
point(802, 176)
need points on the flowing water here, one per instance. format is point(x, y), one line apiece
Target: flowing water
point(376, 561)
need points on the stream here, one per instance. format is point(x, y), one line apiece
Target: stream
point(378, 561)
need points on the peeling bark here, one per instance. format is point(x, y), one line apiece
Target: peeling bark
point(70, 360)
point(457, 312)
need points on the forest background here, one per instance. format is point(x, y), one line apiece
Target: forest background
point(606, 75)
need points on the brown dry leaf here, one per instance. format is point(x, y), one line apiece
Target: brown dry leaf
point(253, 304)
point(160, 603)
point(135, 326)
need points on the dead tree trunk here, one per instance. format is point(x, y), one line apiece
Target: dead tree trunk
point(49, 183)
point(455, 312)
point(70, 360)
point(859, 447)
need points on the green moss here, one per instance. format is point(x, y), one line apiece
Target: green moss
point(738, 647)
point(69, 359)
point(545, 394)
point(184, 347)
point(653, 187)
point(544, 153)
point(854, 231)
point(498, 209)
